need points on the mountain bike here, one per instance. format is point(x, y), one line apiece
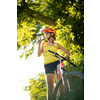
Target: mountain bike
point(71, 84)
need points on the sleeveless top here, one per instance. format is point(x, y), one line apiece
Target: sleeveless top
point(48, 57)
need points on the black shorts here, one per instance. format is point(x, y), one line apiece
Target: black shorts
point(49, 68)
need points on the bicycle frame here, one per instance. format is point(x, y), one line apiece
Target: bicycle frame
point(61, 72)
point(65, 87)
point(62, 69)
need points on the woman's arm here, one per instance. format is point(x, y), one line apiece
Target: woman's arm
point(40, 49)
point(64, 50)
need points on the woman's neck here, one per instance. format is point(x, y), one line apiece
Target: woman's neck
point(50, 40)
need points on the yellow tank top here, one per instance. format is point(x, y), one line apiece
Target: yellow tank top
point(48, 57)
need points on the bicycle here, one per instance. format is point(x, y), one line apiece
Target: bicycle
point(71, 84)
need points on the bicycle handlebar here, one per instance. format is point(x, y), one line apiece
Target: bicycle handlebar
point(62, 57)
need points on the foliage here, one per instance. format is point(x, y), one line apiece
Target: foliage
point(37, 87)
point(66, 38)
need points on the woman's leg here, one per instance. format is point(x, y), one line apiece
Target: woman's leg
point(50, 85)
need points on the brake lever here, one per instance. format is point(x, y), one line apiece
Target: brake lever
point(55, 55)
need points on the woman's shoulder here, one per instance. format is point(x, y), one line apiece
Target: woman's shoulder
point(58, 45)
point(44, 43)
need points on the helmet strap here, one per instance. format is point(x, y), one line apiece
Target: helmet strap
point(50, 36)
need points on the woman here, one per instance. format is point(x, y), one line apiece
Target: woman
point(50, 62)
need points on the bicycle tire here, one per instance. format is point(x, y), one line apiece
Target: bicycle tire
point(76, 91)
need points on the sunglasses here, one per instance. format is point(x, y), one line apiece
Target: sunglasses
point(46, 33)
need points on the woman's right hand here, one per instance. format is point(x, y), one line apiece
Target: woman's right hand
point(40, 47)
point(39, 39)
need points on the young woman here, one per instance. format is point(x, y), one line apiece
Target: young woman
point(50, 62)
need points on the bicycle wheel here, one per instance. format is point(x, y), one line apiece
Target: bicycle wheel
point(74, 87)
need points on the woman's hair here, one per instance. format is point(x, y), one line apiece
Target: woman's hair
point(54, 38)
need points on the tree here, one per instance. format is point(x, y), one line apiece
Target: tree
point(37, 87)
point(66, 16)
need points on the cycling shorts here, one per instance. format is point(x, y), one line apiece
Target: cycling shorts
point(49, 68)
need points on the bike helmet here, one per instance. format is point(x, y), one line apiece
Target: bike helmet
point(51, 30)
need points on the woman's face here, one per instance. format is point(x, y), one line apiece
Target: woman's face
point(47, 35)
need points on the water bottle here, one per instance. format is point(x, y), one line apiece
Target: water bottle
point(40, 38)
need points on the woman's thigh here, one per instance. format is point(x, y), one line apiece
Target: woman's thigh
point(49, 68)
point(50, 79)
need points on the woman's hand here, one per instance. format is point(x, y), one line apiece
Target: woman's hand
point(40, 47)
point(64, 50)
point(39, 39)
